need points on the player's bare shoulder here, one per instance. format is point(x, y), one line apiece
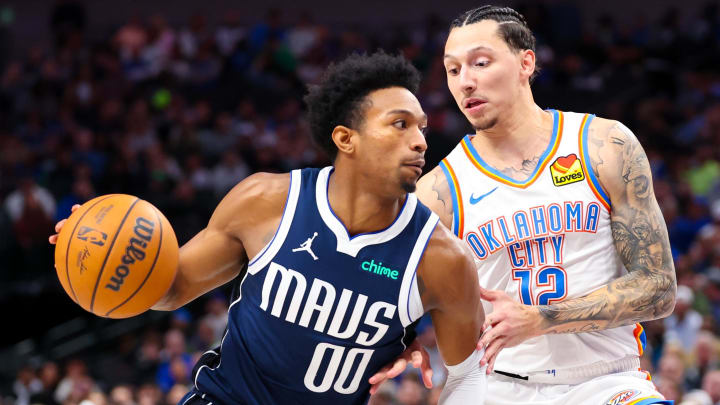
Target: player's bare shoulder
point(434, 191)
point(447, 270)
point(616, 156)
point(254, 205)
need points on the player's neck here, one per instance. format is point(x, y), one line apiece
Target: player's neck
point(523, 131)
point(359, 206)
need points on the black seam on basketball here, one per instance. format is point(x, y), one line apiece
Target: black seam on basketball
point(147, 276)
point(67, 252)
point(117, 232)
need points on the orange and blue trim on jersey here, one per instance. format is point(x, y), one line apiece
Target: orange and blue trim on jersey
point(593, 181)
point(494, 174)
point(650, 400)
point(640, 338)
point(458, 211)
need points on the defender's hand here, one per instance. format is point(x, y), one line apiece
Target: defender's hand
point(509, 324)
point(416, 355)
point(53, 238)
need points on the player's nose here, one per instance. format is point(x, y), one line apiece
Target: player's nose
point(467, 81)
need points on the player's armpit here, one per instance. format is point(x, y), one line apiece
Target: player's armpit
point(648, 290)
point(434, 191)
point(235, 232)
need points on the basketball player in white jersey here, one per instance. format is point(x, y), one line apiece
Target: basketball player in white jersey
point(559, 210)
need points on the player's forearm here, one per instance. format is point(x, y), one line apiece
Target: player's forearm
point(647, 292)
point(635, 297)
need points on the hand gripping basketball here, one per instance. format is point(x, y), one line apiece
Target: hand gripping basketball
point(116, 255)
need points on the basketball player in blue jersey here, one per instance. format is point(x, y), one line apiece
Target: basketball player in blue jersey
point(559, 211)
point(341, 261)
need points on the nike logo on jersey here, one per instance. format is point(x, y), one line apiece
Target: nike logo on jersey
point(474, 200)
point(307, 246)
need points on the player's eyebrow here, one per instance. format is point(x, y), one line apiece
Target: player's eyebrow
point(477, 48)
point(403, 111)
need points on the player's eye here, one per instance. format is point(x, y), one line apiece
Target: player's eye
point(424, 130)
point(482, 62)
point(452, 71)
point(400, 124)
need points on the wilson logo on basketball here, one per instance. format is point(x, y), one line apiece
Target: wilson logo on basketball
point(135, 251)
point(92, 235)
point(566, 170)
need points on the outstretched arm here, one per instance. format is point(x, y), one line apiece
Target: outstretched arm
point(647, 292)
point(217, 254)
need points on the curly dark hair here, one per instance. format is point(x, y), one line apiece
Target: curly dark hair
point(339, 98)
point(513, 28)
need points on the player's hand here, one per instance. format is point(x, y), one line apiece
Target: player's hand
point(415, 355)
point(53, 238)
point(509, 324)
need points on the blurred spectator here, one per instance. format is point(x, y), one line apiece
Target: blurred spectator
point(176, 363)
point(50, 377)
point(26, 384)
point(683, 325)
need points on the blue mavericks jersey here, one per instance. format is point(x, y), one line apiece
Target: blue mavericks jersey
point(318, 311)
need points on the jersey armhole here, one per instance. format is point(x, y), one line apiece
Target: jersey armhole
point(590, 177)
point(270, 250)
point(458, 218)
point(410, 307)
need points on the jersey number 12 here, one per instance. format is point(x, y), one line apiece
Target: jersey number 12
point(548, 286)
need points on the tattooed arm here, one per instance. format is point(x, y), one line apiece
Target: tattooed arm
point(647, 292)
point(433, 191)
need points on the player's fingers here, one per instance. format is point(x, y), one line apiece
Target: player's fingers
point(53, 239)
point(489, 295)
point(426, 370)
point(427, 378)
point(397, 368)
point(491, 350)
point(74, 207)
point(60, 224)
point(380, 376)
point(416, 359)
point(490, 335)
point(491, 365)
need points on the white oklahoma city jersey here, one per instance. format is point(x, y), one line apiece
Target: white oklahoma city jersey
point(543, 240)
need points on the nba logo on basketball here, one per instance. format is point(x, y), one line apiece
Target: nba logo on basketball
point(92, 235)
point(566, 170)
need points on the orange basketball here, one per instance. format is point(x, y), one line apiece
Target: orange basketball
point(116, 256)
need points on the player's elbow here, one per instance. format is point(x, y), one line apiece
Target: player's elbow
point(665, 297)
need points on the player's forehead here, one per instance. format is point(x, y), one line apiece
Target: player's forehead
point(393, 100)
point(482, 35)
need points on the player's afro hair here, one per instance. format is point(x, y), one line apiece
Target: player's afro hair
point(339, 97)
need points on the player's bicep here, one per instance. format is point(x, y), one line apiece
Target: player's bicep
point(434, 191)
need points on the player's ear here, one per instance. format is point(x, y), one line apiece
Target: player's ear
point(343, 138)
point(527, 63)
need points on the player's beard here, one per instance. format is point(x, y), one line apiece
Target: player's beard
point(484, 125)
point(409, 187)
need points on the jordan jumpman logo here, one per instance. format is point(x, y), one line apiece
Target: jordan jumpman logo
point(306, 247)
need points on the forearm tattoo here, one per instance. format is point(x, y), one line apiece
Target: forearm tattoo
point(648, 290)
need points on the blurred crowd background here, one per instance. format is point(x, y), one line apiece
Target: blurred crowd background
point(177, 112)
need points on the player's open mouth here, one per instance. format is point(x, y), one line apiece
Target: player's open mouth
point(473, 104)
